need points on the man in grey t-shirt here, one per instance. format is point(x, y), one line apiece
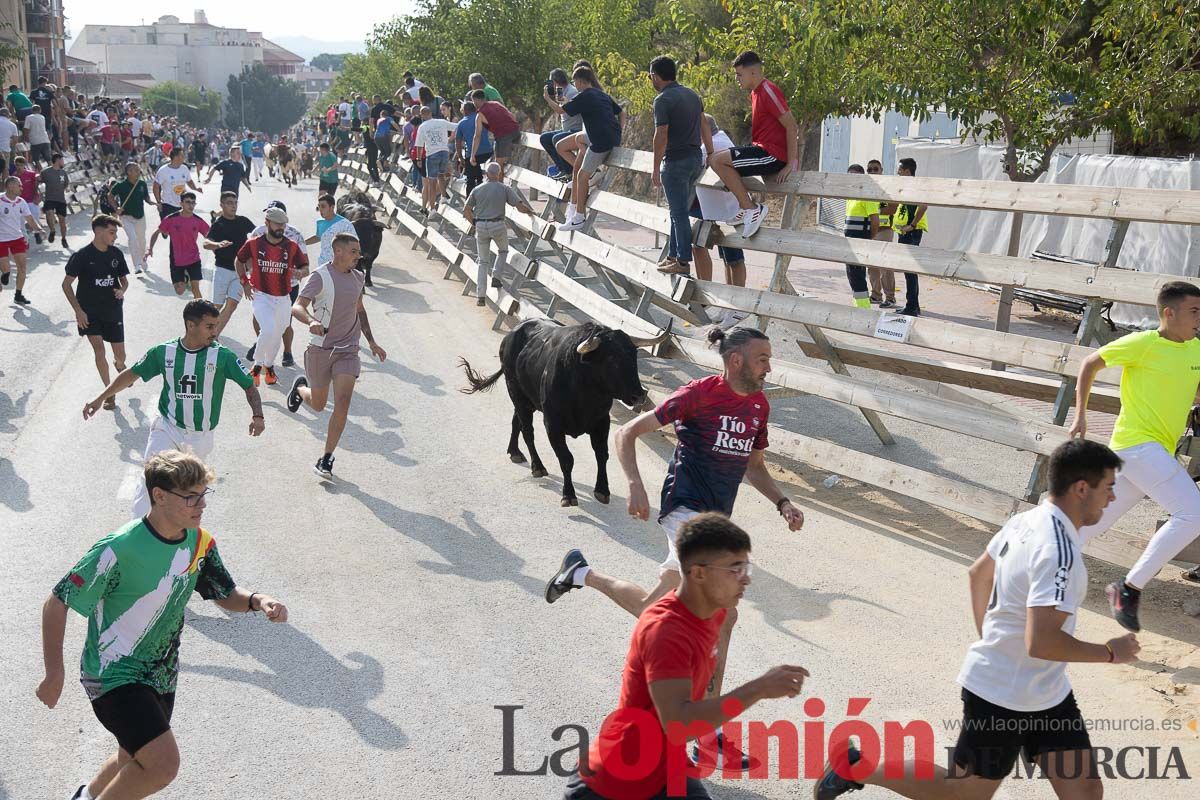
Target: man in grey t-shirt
point(485, 210)
point(54, 199)
point(563, 91)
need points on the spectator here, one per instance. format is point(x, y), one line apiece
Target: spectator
point(911, 223)
point(345, 111)
point(380, 108)
point(882, 282)
point(862, 222)
point(19, 102)
point(433, 142)
point(327, 171)
point(385, 129)
point(773, 148)
point(43, 98)
point(679, 127)
point(371, 149)
point(464, 137)
point(448, 111)
point(415, 175)
point(30, 193)
point(409, 94)
point(603, 120)
point(500, 123)
point(37, 136)
point(560, 90)
point(431, 101)
point(485, 210)
point(717, 204)
point(476, 81)
point(361, 111)
point(8, 137)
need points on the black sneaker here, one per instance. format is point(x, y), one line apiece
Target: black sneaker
point(1123, 600)
point(888, 304)
point(79, 792)
point(562, 582)
point(324, 466)
point(37, 237)
point(497, 283)
point(250, 352)
point(64, 244)
point(743, 764)
point(4, 276)
point(288, 361)
point(50, 238)
point(911, 311)
point(367, 281)
point(22, 299)
point(294, 400)
point(833, 785)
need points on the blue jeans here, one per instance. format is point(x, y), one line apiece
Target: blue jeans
point(679, 176)
point(550, 140)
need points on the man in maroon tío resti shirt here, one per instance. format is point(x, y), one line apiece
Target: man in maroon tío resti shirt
point(721, 425)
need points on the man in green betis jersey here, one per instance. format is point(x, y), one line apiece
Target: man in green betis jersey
point(194, 369)
point(1160, 372)
point(133, 586)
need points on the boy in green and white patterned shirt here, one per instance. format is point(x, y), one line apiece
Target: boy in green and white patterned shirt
point(194, 369)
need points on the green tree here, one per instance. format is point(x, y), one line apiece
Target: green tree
point(329, 62)
point(1042, 72)
point(259, 101)
point(189, 104)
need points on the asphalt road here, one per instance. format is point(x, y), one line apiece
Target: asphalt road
point(415, 578)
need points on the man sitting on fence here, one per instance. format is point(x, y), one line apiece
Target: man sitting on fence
point(603, 121)
point(485, 210)
point(560, 90)
point(773, 149)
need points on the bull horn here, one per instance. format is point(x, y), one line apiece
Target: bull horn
point(588, 345)
point(650, 342)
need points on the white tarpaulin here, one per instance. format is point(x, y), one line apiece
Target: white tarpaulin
point(1165, 249)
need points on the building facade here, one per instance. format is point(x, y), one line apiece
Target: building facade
point(314, 82)
point(12, 32)
point(45, 28)
point(194, 53)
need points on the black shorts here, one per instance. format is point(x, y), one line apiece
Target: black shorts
point(327, 187)
point(40, 152)
point(135, 714)
point(188, 272)
point(294, 294)
point(112, 331)
point(578, 790)
point(55, 206)
point(992, 736)
point(753, 160)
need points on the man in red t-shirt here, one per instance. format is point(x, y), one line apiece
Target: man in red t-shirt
point(773, 149)
point(721, 424)
point(265, 265)
point(670, 663)
point(500, 123)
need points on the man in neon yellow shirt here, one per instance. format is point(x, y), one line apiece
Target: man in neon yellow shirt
point(862, 222)
point(1159, 377)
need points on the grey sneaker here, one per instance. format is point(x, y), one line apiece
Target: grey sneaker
point(834, 785)
point(324, 466)
point(563, 581)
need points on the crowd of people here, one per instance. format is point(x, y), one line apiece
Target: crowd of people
point(1025, 590)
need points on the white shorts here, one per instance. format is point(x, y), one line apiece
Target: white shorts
point(226, 286)
point(164, 435)
point(671, 524)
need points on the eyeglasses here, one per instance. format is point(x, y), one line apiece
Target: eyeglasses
point(743, 570)
point(191, 500)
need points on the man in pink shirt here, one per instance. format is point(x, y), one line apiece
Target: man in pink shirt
point(183, 229)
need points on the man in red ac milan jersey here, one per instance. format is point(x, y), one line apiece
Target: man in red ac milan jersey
point(265, 265)
point(721, 425)
point(774, 144)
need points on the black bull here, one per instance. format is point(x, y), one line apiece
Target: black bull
point(358, 208)
point(571, 375)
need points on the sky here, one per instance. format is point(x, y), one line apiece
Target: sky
point(304, 18)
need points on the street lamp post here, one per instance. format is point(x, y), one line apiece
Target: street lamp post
point(242, 96)
point(175, 89)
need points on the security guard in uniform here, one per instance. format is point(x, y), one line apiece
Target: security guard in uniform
point(862, 222)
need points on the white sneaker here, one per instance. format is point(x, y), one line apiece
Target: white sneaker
point(739, 217)
point(754, 220)
point(573, 223)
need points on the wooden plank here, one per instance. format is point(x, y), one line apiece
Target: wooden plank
point(1061, 358)
point(948, 415)
point(536, 180)
point(1012, 384)
point(1176, 206)
point(1081, 280)
point(592, 304)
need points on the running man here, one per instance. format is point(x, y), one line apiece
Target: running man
point(194, 369)
point(327, 171)
point(774, 148)
point(133, 586)
point(15, 219)
point(183, 229)
point(721, 424)
point(291, 233)
point(98, 302)
point(331, 306)
point(1026, 590)
point(265, 266)
point(54, 200)
point(234, 172)
point(671, 660)
point(229, 231)
point(329, 225)
point(170, 182)
point(1160, 372)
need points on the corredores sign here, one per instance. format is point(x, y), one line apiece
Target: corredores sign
point(802, 749)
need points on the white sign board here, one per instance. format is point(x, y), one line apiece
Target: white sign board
point(893, 327)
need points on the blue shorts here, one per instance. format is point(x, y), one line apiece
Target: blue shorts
point(437, 164)
point(730, 255)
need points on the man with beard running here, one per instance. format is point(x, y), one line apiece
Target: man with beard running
point(293, 234)
point(230, 231)
point(265, 266)
point(721, 425)
point(194, 369)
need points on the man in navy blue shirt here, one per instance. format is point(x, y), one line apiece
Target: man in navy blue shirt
point(464, 137)
point(234, 171)
point(603, 120)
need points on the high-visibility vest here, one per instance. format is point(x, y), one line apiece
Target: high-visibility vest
point(858, 217)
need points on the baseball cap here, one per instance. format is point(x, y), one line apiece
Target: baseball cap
point(275, 204)
point(277, 215)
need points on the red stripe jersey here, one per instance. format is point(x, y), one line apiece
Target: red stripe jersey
point(766, 131)
point(271, 265)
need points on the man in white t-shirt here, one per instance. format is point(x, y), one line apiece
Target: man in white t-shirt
point(37, 136)
point(15, 218)
point(345, 112)
point(329, 225)
point(1026, 591)
point(434, 136)
point(171, 181)
point(8, 136)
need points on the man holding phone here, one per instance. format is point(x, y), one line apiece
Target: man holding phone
point(559, 89)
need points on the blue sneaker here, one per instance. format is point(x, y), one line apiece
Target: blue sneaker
point(833, 785)
point(552, 170)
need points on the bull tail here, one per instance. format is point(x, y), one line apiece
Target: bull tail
point(477, 381)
